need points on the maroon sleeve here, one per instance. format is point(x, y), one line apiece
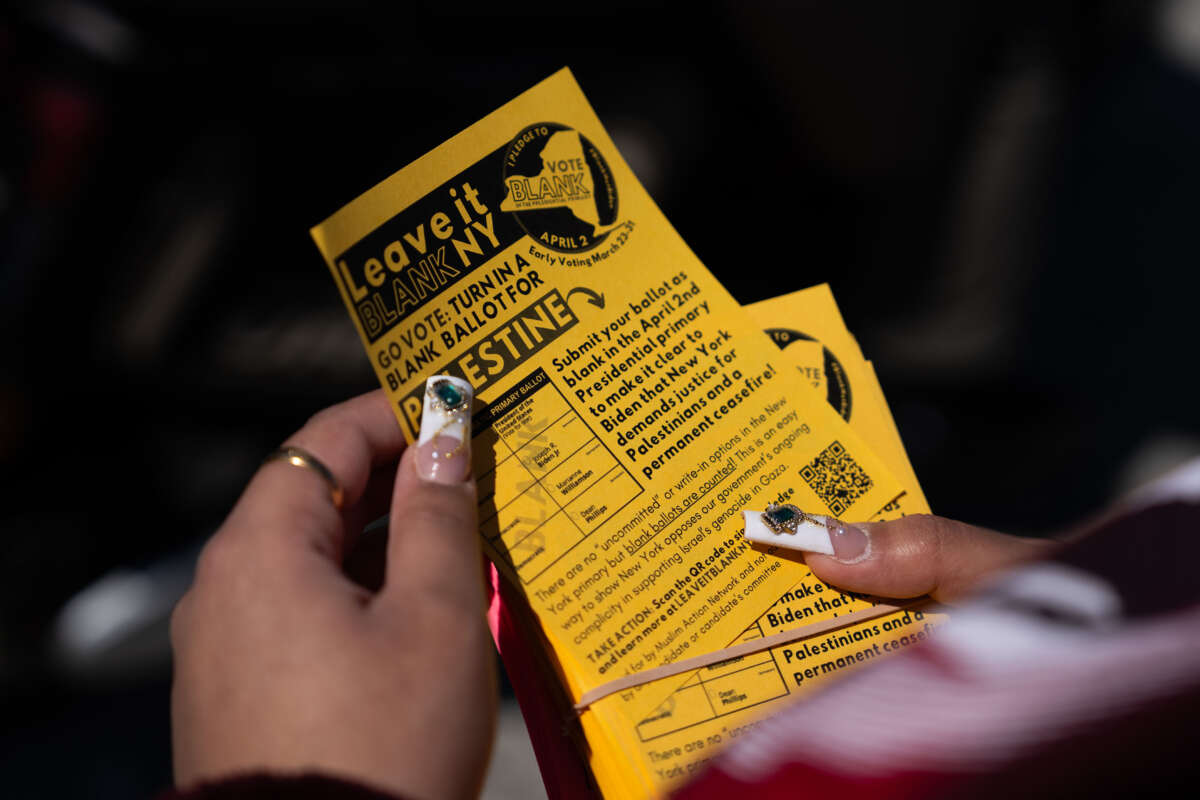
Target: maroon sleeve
point(256, 786)
point(1077, 676)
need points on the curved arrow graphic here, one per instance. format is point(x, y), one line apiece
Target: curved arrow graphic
point(592, 297)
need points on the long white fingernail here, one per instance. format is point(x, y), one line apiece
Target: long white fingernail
point(443, 453)
point(447, 410)
point(810, 532)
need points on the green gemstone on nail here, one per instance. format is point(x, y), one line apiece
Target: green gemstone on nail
point(782, 518)
point(449, 394)
point(781, 515)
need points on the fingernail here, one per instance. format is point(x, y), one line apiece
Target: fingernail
point(850, 544)
point(444, 445)
point(788, 526)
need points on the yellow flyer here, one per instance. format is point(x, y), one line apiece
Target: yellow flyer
point(627, 408)
point(715, 705)
point(808, 327)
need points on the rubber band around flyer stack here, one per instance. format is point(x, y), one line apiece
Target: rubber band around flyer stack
point(741, 649)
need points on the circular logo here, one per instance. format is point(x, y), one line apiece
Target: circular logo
point(559, 188)
point(837, 385)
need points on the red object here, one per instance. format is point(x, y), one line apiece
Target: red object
point(549, 715)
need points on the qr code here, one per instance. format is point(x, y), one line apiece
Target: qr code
point(836, 478)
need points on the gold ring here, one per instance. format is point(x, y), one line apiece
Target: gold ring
point(302, 458)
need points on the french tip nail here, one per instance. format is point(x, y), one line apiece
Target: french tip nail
point(444, 444)
point(447, 409)
point(810, 534)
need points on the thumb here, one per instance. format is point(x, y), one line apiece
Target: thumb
point(433, 543)
point(918, 555)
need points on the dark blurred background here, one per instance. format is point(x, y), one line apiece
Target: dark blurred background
point(1003, 196)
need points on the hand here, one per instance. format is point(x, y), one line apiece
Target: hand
point(284, 664)
point(919, 555)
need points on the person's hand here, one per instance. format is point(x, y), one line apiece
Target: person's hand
point(919, 555)
point(283, 664)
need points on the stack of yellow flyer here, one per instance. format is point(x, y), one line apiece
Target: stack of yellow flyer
point(628, 410)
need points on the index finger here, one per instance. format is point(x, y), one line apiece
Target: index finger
point(350, 439)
